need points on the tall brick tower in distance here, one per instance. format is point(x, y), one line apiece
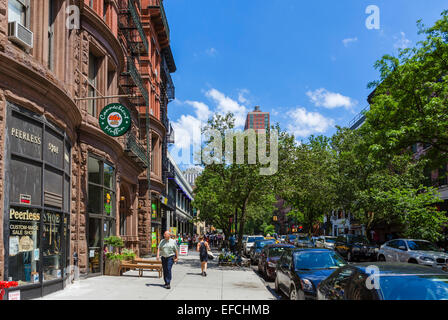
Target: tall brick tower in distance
point(257, 120)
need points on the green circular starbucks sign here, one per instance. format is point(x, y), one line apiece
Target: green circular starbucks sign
point(115, 119)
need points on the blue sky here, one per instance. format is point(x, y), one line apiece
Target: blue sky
point(306, 62)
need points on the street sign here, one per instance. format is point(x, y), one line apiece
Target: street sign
point(183, 249)
point(115, 120)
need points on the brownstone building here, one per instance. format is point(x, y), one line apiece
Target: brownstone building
point(65, 185)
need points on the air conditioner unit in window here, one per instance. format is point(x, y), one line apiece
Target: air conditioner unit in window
point(20, 35)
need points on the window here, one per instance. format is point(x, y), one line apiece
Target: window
point(93, 72)
point(39, 191)
point(18, 11)
point(51, 20)
point(104, 9)
point(101, 209)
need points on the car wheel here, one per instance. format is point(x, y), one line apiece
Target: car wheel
point(293, 294)
point(381, 258)
point(413, 261)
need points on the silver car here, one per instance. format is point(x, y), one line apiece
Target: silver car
point(250, 241)
point(413, 251)
point(326, 242)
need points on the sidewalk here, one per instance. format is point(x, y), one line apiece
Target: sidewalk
point(221, 283)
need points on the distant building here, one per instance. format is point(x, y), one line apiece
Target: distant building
point(257, 120)
point(191, 174)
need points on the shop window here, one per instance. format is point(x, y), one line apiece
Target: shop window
point(51, 246)
point(101, 209)
point(39, 189)
point(24, 244)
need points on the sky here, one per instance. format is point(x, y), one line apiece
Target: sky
point(308, 63)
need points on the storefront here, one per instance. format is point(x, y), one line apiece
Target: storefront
point(156, 223)
point(101, 210)
point(37, 203)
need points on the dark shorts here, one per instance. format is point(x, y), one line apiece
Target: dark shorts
point(203, 257)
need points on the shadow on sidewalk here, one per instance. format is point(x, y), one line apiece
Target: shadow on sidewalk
point(154, 285)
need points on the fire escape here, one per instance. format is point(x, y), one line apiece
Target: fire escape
point(131, 82)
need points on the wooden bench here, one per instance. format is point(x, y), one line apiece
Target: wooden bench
point(142, 265)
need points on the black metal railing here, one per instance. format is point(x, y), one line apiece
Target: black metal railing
point(136, 150)
point(132, 7)
point(136, 77)
point(158, 4)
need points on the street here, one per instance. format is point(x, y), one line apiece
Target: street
point(221, 283)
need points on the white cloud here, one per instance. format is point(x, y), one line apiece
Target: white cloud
point(202, 110)
point(305, 123)
point(347, 41)
point(226, 104)
point(402, 42)
point(211, 52)
point(188, 127)
point(330, 100)
point(241, 96)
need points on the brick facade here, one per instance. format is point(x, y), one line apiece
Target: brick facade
point(26, 81)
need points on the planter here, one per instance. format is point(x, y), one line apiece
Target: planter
point(112, 267)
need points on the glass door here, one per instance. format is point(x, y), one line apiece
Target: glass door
point(95, 244)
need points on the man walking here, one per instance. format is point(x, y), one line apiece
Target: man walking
point(169, 252)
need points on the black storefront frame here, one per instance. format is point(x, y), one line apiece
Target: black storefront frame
point(42, 288)
point(103, 218)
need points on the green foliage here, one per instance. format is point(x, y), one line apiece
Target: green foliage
point(114, 241)
point(126, 255)
point(410, 103)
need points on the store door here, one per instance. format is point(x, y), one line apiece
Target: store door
point(95, 245)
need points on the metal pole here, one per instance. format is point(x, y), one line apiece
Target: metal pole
point(108, 97)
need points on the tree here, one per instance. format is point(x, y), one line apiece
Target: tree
point(309, 185)
point(410, 101)
point(232, 186)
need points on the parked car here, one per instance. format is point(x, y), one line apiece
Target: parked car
point(396, 281)
point(282, 238)
point(255, 251)
point(413, 251)
point(269, 256)
point(355, 247)
point(291, 238)
point(250, 241)
point(303, 241)
point(325, 242)
point(299, 271)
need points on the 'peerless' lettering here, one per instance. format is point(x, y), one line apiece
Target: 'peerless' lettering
point(23, 215)
point(25, 136)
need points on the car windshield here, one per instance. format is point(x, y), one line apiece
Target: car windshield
point(358, 239)
point(421, 245)
point(276, 252)
point(330, 240)
point(418, 287)
point(261, 244)
point(312, 260)
point(253, 239)
point(292, 237)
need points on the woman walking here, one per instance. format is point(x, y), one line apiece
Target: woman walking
point(203, 247)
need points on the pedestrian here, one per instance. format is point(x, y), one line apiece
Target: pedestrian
point(232, 243)
point(169, 252)
point(203, 248)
